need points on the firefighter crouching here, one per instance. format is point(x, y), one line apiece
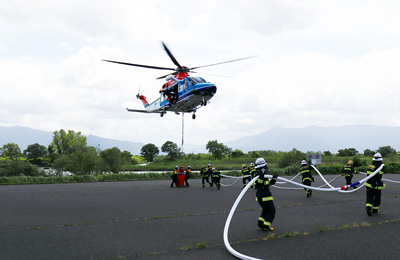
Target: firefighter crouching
point(374, 185)
point(264, 195)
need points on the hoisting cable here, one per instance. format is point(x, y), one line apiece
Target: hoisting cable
point(239, 198)
point(183, 126)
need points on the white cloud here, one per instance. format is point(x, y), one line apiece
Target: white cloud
point(320, 63)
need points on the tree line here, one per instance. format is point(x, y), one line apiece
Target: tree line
point(69, 152)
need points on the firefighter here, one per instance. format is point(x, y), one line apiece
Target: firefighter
point(252, 171)
point(174, 177)
point(181, 170)
point(216, 178)
point(374, 185)
point(204, 175)
point(307, 178)
point(209, 173)
point(264, 195)
point(348, 171)
point(245, 171)
point(187, 175)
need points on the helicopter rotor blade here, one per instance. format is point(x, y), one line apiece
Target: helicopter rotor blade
point(215, 75)
point(222, 62)
point(140, 65)
point(173, 73)
point(171, 56)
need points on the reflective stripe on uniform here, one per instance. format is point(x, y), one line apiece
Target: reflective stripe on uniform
point(380, 172)
point(376, 187)
point(267, 198)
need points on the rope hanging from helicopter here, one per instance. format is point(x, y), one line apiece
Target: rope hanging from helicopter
point(183, 126)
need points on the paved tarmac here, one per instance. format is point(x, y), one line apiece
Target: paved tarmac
point(149, 220)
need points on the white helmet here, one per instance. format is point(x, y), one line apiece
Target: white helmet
point(260, 162)
point(304, 162)
point(377, 157)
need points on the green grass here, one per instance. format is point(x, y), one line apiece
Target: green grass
point(201, 245)
point(232, 166)
point(185, 247)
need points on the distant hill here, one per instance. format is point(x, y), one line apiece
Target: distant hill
point(316, 138)
point(24, 136)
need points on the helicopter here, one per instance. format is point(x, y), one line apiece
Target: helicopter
point(181, 93)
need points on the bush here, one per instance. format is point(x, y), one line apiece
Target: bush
point(18, 167)
point(392, 167)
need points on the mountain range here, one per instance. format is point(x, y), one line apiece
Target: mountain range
point(317, 138)
point(24, 136)
point(312, 138)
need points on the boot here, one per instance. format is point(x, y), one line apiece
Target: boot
point(268, 228)
point(369, 213)
point(260, 224)
point(375, 211)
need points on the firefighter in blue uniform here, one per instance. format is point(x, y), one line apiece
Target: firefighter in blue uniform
point(374, 185)
point(306, 177)
point(245, 171)
point(264, 195)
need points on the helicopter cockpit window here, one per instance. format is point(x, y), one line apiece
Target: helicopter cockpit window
point(198, 80)
point(195, 80)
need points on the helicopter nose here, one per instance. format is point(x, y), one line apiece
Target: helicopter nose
point(210, 89)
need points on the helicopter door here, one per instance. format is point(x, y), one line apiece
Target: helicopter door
point(183, 85)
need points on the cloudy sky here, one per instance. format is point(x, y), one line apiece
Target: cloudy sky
point(323, 63)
